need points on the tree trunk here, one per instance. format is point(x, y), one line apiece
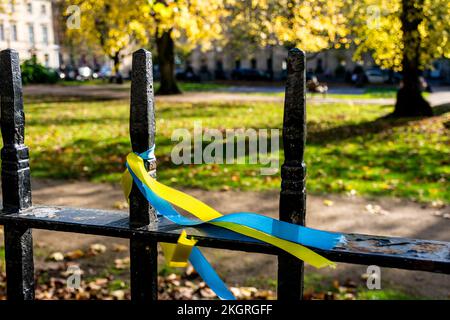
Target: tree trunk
point(166, 57)
point(116, 63)
point(410, 102)
point(117, 77)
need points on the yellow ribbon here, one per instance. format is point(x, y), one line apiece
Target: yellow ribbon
point(177, 255)
point(205, 213)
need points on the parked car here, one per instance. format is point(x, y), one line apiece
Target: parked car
point(105, 72)
point(358, 76)
point(68, 73)
point(376, 75)
point(249, 74)
point(84, 73)
point(61, 75)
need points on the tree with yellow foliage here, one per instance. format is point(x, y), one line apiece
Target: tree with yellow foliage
point(115, 25)
point(244, 30)
point(187, 23)
point(111, 25)
point(404, 35)
point(312, 25)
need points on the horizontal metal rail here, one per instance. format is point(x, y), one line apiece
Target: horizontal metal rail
point(394, 252)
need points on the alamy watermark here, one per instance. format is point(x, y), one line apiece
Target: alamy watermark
point(74, 278)
point(374, 277)
point(73, 17)
point(229, 146)
point(373, 17)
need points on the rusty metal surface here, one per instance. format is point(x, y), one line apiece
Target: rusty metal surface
point(413, 249)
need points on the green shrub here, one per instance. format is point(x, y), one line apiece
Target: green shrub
point(34, 72)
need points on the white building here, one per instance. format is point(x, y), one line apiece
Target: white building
point(27, 26)
point(328, 64)
point(272, 60)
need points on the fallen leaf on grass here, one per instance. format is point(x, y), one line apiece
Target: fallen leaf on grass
point(118, 294)
point(251, 293)
point(190, 272)
point(207, 293)
point(96, 248)
point(92, 286)
point(56, 256)
point(74, 255)
point(122, 263)
point(376, 209)
point(184, 293)
point(172, 277)
point(438, 204)
point(121, 205)
point(235, 178)
point(101, 281)
point(119, 247)
point(265, 295)
point(349, 296)
point(71, 269)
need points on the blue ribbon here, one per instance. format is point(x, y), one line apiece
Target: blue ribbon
point(291, 232)
point(209, 275)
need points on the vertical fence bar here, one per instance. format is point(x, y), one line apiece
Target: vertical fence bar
point(16, 184)
point(143, 255)
point(293, 172)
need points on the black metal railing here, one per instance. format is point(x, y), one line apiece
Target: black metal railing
point(141, 226)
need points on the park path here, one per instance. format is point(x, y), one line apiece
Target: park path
point(394, 217)
point(232, 94)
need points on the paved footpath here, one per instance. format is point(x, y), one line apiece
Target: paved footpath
point(118, 92)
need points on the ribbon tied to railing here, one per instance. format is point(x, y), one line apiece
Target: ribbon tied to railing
point(286, 236)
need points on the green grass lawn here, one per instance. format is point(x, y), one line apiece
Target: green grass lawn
point(373, 93)
point(347, 149)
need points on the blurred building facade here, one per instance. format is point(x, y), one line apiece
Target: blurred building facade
point(271, 61)
point(27, 26)
point(336, 64)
